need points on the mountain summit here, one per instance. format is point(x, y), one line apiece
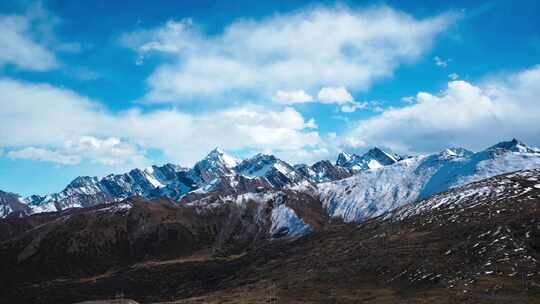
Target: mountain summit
point(513, 145)
point(372, 159)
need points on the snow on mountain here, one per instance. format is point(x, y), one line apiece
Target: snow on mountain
point(374, 158)
point(344, 158)
point(268, 209)
point(373, 192)
point(484, 192)
point(382, 180)
point(86, 191)
point(286, 222)
point(215, 164)
point(278, 173)
point(322, 171)
point(11, 203)
point(217, 172)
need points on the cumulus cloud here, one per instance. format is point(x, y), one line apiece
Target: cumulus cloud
point(464, 114)
point(110, 151)
point(341, 97)
point(51, 121)
point(307, 49)
point(338, 95)
point(292, 97)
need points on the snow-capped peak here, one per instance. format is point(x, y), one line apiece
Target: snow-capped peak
point(381, 156)
point(220, 156)
point(258, 165)
point(372, 159)
point(83, 181)
point(513, 145)
point(343, 158)
point(454, 152)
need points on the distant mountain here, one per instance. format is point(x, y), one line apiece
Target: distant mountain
point(323, 171)
point(278, 173)
point(86, 191)
point(372, 159)
point(354, 188)
point(371, 193)
point(215, 173)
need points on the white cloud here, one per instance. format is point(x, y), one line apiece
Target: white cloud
point(307, 49)
point(453, 76)
point(465, 114)
point(338, 95)
point(29, 41)
point(409, 99)
point(341, 97)
point(440, 62)
point(110, 151)
point(47, 119)
point(17, 46)
point(311, 124)
point(292, 97)
point(353, 106)
point(41, 154)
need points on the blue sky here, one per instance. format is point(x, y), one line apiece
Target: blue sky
point(95, 87)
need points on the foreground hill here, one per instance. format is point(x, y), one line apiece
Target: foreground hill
point(91, 240)
point(474, 244)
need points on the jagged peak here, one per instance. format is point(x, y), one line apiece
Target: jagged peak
point(264, 156)
point(83, 181)
point(344, 157)
point(454, 152)
point(381, 155)
point(376, 151)
point(513, 145)
point(217, 150)
point(218, 155)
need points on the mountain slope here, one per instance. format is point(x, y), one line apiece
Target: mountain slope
point(373, 192)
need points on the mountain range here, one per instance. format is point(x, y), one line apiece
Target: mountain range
point(354, 188)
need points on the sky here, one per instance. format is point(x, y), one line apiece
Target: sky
point(100, 87)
